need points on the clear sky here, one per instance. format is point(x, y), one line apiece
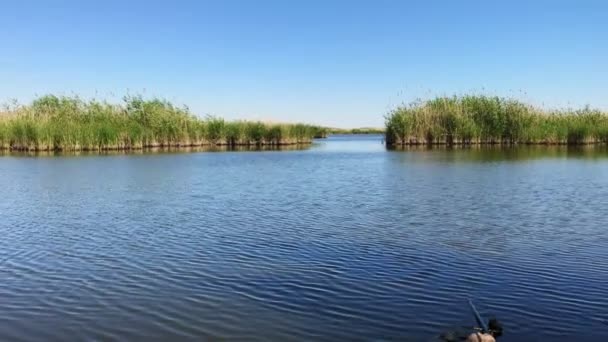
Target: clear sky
point(337, 63)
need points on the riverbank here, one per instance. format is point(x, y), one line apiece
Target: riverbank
point(469, 120)
point(155, 150)
point(53, 123)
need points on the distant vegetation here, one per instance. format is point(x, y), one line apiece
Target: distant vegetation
point(363, 130)
point(71, 124)
point(492, 120)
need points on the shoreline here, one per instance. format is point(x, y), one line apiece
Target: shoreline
point(415, 142)
point(152, 146)
point(158, 150)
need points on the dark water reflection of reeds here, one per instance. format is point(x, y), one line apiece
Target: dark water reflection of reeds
point(157, 150)
point(488, 153)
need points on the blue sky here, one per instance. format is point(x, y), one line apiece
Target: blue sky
point(338, 63)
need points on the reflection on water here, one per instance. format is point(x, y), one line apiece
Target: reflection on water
point(343, 240)
point(486, 153)
point(157, 150)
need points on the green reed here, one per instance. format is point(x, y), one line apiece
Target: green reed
point(69, 123)
point(492, 120)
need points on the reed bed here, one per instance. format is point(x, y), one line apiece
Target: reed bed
point(52, 123)
point(482, 119)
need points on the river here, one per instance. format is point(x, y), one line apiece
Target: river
point(343, 240)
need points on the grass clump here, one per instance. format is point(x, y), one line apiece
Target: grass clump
point(492, 120)
point(71, 124)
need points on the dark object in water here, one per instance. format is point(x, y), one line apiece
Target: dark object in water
point(455, 335)
point(495, 327)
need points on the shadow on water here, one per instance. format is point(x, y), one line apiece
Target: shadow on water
point(478, 153)
point(156, 150)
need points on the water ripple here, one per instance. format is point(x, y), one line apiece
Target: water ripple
point(344, 241)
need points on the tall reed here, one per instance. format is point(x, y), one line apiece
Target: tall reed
point(492, 120)
point(69, 123)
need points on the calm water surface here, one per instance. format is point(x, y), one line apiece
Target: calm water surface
point(341, 241)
